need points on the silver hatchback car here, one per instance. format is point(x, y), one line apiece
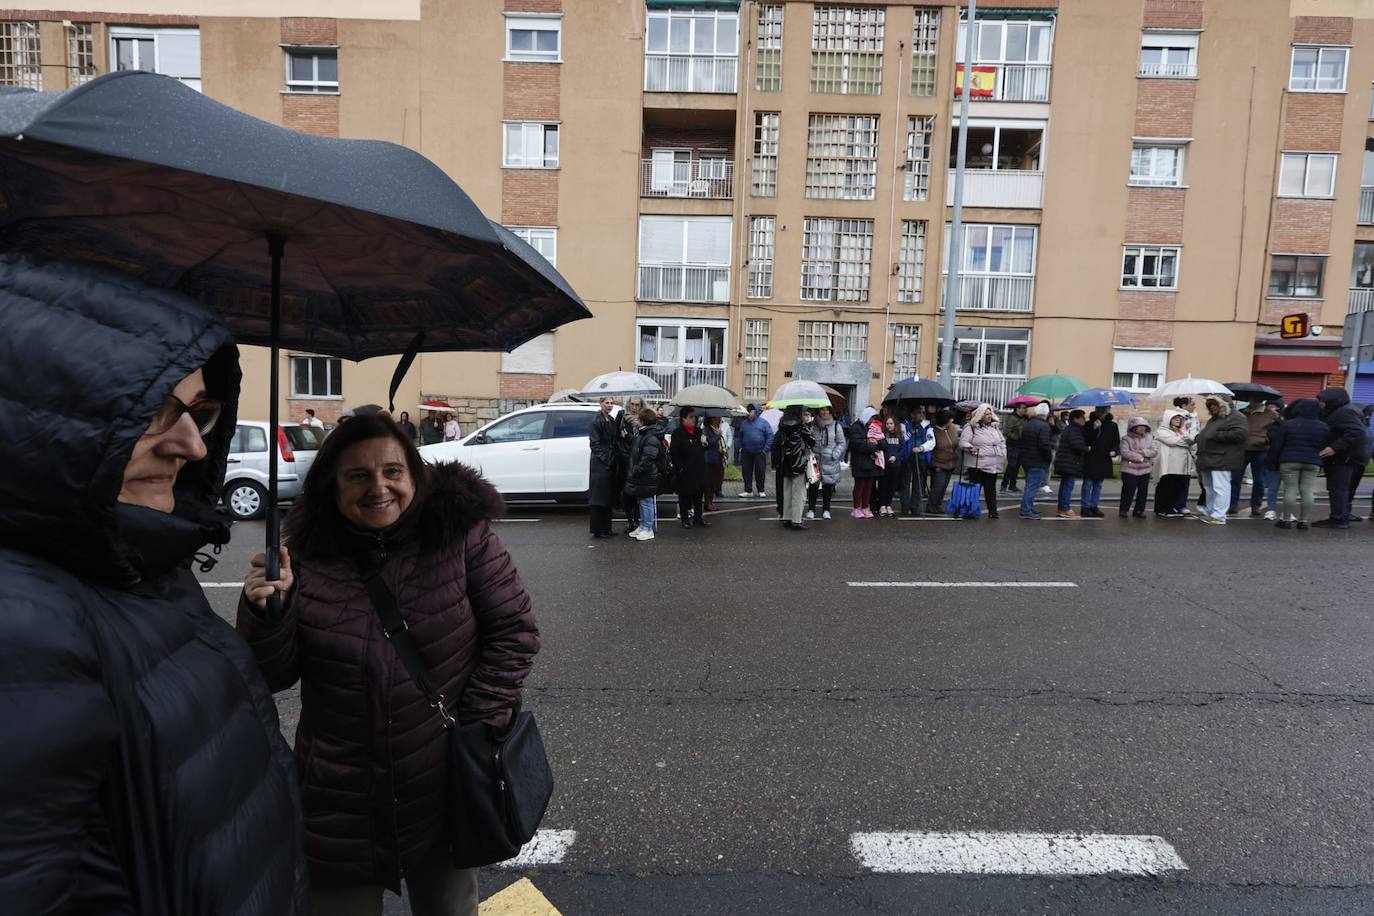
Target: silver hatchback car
point(245, 476)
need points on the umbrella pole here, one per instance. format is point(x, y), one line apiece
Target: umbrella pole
point(275, 247)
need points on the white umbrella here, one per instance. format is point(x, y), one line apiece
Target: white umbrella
point(799, 392)
point(1190, 387)
point(773, 417)
point(621, 384)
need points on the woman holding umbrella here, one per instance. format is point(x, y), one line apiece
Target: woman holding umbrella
point(795, 450)
point(602, 492)
point(626, 434)
point(687, 448)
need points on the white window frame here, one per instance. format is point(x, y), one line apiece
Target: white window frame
point(22, 45)
point(1139, 362)
point(1046, 25)
point(1153, 177)
point(527, 127)
point(80, 53)
point(543, 239)
point(906, 350)
point(684, 326)
point(1173, 44)
point(987, 230)
point(758, 333)
point(718, 70)
point(315, 86)
point(920, 133)
point(833, 341)
point(1297, 260)
point(1314, 83)
point(761, 254)
point(830, 271)
point(333, 377)
point(983, 345)
point(713, 272)
point(841, 157)
point(1136, 281)
point(847, 49)
point(925, 49)
point(534, 22)
point(764, 165)
point(997, 126)
point(136, 33)
point(768, 48)
point(911, 260)
point(1301, 160)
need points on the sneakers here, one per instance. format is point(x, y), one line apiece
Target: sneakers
point(747, 494)
point(810, 513)
point(1270, 515)
point(1137, 514)
point(761, 495)
point(1045, 490)
point(825, 514)
point(633, 532)
point(856, 513)
point(1067, 513)
point(643, 534)
point(867, 513)
point(1032, 516)
point(1208, 520)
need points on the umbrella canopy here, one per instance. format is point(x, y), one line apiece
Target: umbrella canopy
point(799, 392)
point(1052, 387)
point(918, 391)
point(1029, 400)
point(1190, 387)
point(620, 384)
point(708, 396)
point(1097, 397)
point(564, 394)
point(967, 405)
point(773, 417)
point(1254, 391)
point(705, 412)
point(838, 402)
point(436, 405)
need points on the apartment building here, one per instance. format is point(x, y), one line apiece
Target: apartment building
point(749, 192)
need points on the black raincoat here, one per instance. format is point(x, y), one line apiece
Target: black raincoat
point(141, 766)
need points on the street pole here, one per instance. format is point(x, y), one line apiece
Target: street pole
point(1358, 342)
point(955, 252)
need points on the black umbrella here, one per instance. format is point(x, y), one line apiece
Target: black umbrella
point(350, 248)
point(1254, 391)
point(918, 391)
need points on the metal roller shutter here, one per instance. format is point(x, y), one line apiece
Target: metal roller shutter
point(1294, 385)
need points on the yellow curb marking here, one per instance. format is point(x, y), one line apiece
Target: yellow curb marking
point(519, 899)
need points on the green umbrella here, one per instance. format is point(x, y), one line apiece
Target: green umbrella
point(1053, 387)
point(799, 392)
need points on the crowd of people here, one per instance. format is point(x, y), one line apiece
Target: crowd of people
point(904, 460)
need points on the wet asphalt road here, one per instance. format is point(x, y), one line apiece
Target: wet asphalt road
point(723, 710)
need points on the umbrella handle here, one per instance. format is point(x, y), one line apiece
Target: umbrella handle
point(276, 244)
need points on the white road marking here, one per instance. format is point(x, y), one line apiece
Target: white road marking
point(221, 585)
point(962, 584)
point(547, 848)
point(986, 853)
point(929, 518)
point(519, 519)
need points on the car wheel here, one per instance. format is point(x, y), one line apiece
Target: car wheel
point(245, 500)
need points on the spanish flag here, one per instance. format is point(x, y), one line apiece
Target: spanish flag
point(984, 81)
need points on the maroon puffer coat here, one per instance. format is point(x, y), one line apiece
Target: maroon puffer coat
point(368, 746)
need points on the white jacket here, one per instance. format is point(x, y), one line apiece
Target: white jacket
point(1177, 452)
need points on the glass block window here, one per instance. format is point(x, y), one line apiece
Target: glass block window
point(768, 49)
point(19, 64)
point(911, 261)
point(916, 181)
point(80, 52)
point(842, 157)
point(906, 349)
point(761, 257)
point(756, 337)
point(925, 40)
point(837, 341)
point(765, 164)
point(837, 256)
point(847, 50)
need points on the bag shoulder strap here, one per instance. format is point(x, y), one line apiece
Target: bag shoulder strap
point(398, 632)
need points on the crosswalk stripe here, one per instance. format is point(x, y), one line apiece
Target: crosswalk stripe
point(962, 584)
point(519, 899)
point(547, 848)
point(986, 853)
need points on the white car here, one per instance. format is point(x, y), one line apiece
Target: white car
point(245, 476)
point(541, 452)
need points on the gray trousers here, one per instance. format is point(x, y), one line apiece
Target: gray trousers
point(1299, 482)
point(793, 497)
point(433, 888)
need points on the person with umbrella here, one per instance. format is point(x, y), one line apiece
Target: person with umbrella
point(1104, 444)
point(602, 493)
point(1261, 419)
point(431, 428)
point(715, 459)
point(830, 445)
point(1037, 453)
point(687, 447)
point(944, 454)
point(1220, 450)
point(134, 721)
point(1176, 463)
point(1011, 429)
point(1068, 460)
point(796, 445)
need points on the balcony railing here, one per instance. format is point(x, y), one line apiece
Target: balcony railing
point(1017, 83)
point(990, 389)
point(1361, 300)
point(702, 178)
point(674, 378)
point(1171, 71)
point(1366, 216)
point(999, 188)
point(992, 293)
point(689, 73)
point(681, 283)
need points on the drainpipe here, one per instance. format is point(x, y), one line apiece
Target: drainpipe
point(956, 250)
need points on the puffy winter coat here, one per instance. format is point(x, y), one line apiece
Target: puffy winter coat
point(141, 766)
point(1012, 426)
point(688, 450)
point(1349, 432)
point(862, 450)
point(1036, 444)
point(1073, 448)
point(1138, 452)
point(797, 444)
point(370, 749)
point(756, 436)
point(946, 448)
point(831, 445)
point(1221, 443)
point(1103, 443)
point(604, 470)
point(984, 446)
point(1300, 438)
point(1177, 451)
point(1259, 424)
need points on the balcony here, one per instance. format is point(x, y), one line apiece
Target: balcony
point(1167, 70)
point(1366, 216)
point(683, 283)
point(675, 377)
point(1361, 300)
point(992, 293)
point(690, 73)
point(989, 389)
point(1012, 188)
point(704, 179)
point(1013, 83)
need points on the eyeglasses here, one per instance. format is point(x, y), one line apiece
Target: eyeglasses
point(205, 413)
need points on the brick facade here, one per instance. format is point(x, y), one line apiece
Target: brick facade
point(1274, 310)
point(1144, 334)
point(1301, 226)
point(300, 31)
point(534, 6)
point(1312, 121)
point(1173, 14)
point(526, 385)
point(1164, 108)
point(531, 91)
point(1145, 319)
point(311, 114)
point(1155, 215)
point(688, 138)
point(326, 410)
point(1323, 30)
point(529, 197)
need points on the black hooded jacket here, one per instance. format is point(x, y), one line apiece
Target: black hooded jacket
point(1349, 433)
point(141, 766)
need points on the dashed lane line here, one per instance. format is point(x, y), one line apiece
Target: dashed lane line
point(988, 853)
point(962, 584)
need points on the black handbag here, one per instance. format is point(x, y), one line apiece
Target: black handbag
point(497, 785)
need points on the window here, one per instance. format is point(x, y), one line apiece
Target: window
point(911, 262)
point(765, 178)
point(761, 257)
point(534, 38)
point(173, 52)
point(916, 181)
point(1307, 175)
point(906, 348)
point(997, 271)
point(756, 334)
point(684, 258)
point(316, 377)
point(836, 256)
point(569, 424)
point(768, 49)
point(312, 69)
point(1139, 370)
point(543, 239)
point(994, 145)
point(1362, 268)
point(925, 41)
point(304, 438)
point(248, 439)
point(1293, 276)
point(842, 157)
point(847, 50)
point(1149, 267)
point(1018, 50)
point(1318, 70)
point(19, 64)
point(689, 50)
point(681, 352)
point(525, 427)
point(998, 352)
point(531, 145)
point(833, 341)
point(80, 53)
point(1157, 166)
point(1168, 54)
